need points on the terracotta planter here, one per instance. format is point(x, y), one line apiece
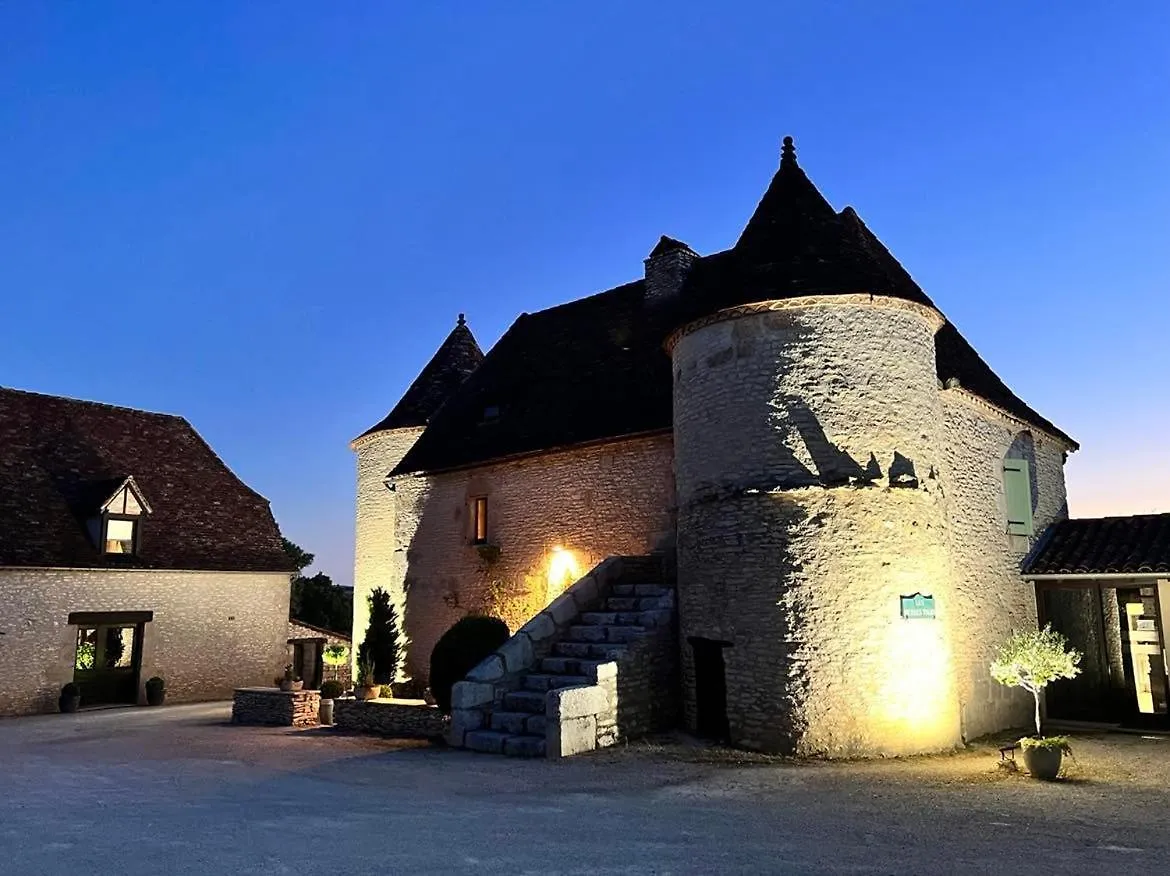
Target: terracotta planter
point(69, 704)
point(287, 685)
point(1043, 763)
point(155, 696)
point(368, 692)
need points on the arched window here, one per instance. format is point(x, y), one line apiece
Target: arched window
point(1019, 485)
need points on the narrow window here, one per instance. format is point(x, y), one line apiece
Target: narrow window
point(120, 536)
point(1017, 488)
point(479, 530)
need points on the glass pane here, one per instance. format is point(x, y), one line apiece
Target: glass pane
point(86, 648)
point(119, 536)
point(119, 648)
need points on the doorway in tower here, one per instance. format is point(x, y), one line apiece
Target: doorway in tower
point(1119, 631)
point(107, 659)
point(710, 688)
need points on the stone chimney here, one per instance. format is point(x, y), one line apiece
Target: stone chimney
point(666, 269)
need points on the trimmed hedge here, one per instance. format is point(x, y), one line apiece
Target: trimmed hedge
point(460, 650)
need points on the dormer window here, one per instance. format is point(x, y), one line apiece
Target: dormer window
point(116, 527)
point(121, 535)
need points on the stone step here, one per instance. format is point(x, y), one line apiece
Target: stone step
point(609, 633)
point(610, 618)
point(601, 651)
point(540, 681)
point(487, 741)
point(524, 746)
point(644, 590)
point(631, 603)
point(569, 665)
point(530, 701)
point(518, 723)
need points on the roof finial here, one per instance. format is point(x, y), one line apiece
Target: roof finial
point(787, 151)
point(461, 320)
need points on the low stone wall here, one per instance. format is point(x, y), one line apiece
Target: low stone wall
point(274, 707)
point(399, 719)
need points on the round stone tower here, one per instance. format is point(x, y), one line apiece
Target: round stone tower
point(808, 437)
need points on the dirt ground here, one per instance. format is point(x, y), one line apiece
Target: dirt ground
point(177, 790)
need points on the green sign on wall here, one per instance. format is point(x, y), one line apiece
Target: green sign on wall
point(918, 607)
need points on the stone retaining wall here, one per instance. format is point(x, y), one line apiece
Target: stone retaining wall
point(399, 719)
point(274, 707)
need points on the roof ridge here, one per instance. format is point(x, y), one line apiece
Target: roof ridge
point(90, 403)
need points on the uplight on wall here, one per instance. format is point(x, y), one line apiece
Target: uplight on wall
point(563, 570)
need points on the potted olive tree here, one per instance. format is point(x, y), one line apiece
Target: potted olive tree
point(1033, 660)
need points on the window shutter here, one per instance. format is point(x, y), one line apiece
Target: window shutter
point(1017, 488)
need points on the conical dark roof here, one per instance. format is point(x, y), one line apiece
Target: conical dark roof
point(455, 359)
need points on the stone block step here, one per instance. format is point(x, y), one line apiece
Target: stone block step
point(569, 665)
point(631, 603)
point(599, 634)
point(597, 618)
point(530, 701)
point(487, 741)
point(601, 651)
point(642, 590)
point(524, 746)
point(541, 681)
point(518, 723)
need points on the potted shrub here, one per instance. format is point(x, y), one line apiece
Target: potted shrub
point(330, 691)
point(366, 688)
point(156, 691)
point(70, 700)
point(1033, 660)
point(290, 681)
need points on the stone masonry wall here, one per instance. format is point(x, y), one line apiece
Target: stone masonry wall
point(397, 720)
point(808, 440)
point(992, 600)
point(379, 557)
point(212, 631)
point(593, 502)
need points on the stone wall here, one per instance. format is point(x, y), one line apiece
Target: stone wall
point(407, 719)
point(593, 502)
point(274, 707)
point(379, 556)
point(991, 599)
point(808, 438)
point(212, 631)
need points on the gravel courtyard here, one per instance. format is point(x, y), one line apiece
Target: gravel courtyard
point(176, 790)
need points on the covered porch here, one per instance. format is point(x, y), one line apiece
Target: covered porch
point(1104, 583)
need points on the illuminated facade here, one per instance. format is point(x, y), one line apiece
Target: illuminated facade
point(843, 488)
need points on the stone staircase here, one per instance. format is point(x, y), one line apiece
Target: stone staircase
point(618, 619)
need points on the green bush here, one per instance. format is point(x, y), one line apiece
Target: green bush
point(71, 690)
point(1060, 742)
point(331, 690)
point(156, 683)
point(460, 650)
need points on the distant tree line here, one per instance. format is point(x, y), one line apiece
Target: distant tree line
point(315, 599)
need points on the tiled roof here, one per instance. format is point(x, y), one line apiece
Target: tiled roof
point(456, 358)
point(60, 458)
point(1104, 546)
point(595, 368)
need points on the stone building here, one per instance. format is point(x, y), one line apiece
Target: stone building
point(840, 491)
point(128, 549)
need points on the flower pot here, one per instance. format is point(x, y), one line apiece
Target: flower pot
point(155, 696)
point(69, 704)
point(325, 713)
point(1043, 763)
point(289, 685)
point(367, 692)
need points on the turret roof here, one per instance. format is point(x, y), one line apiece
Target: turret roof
point(456, 358)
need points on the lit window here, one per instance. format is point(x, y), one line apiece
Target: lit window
point(479, 530)
point(120, 536)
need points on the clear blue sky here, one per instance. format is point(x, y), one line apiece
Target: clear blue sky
point(266, 216)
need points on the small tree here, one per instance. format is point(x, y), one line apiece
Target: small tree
point(381, 645)
point(1033, 660)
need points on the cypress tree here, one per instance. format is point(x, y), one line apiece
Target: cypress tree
point(381, 644)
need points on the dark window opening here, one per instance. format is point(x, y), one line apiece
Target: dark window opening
point(710, 689)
